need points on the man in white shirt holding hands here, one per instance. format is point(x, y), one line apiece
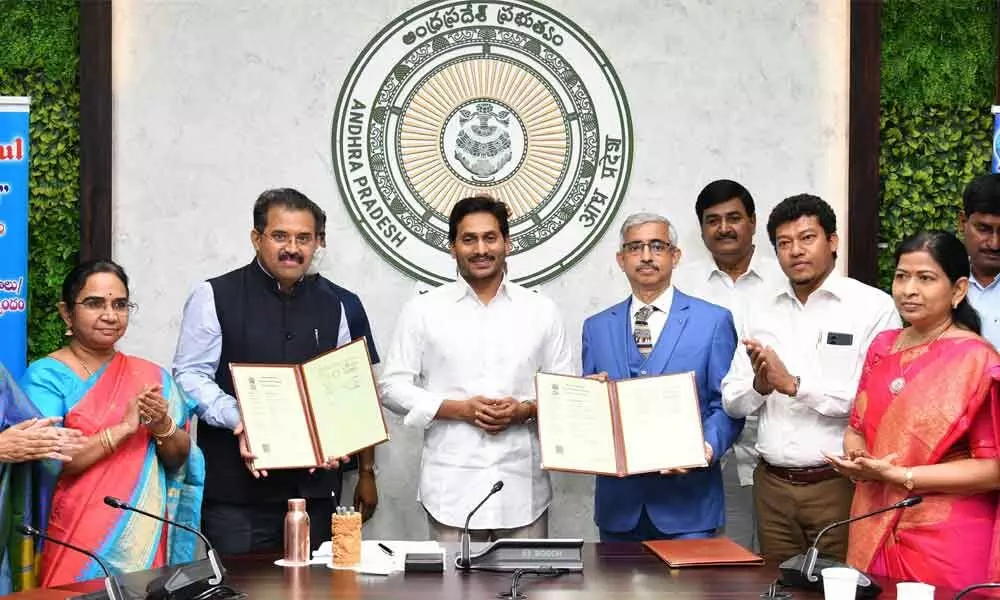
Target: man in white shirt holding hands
point(461, 365)
point(804, 351)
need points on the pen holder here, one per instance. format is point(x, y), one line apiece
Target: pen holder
point(346, 539)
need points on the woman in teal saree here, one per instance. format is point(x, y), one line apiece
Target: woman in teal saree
point(137, 448)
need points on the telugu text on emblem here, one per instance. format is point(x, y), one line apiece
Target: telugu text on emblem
point(508, 99)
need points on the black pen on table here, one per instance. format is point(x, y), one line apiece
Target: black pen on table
point(386, 549)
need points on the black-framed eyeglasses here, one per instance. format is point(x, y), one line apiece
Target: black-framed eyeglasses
point(120, 306)
point(657, 247)
point(281, 238)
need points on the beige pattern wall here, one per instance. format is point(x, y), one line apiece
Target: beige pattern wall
point(217, 100)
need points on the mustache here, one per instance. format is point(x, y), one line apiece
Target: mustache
point(481, 256)
point(652, 265)
point(725, 236)
point(291, 256)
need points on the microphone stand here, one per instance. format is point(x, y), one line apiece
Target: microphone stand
point(466, 540)
point(111, 585)
point(213, 559)
point(515, 593)
point(799, 571)
point(809, 561)
point(974, 587)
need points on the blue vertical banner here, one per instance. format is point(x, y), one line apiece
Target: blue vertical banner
point(14, 154)
point(995, 162)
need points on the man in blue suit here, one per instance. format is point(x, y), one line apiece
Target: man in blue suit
point(656, 331)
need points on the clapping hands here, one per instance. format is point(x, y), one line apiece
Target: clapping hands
point(36, 439)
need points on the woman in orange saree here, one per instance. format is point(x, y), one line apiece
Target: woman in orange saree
point(926, 421)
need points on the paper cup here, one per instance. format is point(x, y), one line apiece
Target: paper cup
point(912, 590)
point(840, 583)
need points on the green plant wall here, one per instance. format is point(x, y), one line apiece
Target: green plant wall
point(938, 60)
point(39, 59)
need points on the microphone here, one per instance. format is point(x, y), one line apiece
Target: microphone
point(974, 587)
point(466, 536)
point(799, 571)
point(809, 562)
point(110, 584)
point(213, 559)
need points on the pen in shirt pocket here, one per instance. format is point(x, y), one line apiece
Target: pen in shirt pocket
point(316, 337)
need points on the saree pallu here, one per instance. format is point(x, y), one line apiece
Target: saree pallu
point(946, 409)
point(25, 492)
point(127, 541)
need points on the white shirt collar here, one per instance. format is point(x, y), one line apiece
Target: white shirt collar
point(462, 290)
point(662, 302)
point(832, 285)
point(757, 267)
point(975, 282)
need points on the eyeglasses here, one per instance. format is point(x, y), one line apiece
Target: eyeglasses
point(656, 247)
point(120, 306)
point(281, 238)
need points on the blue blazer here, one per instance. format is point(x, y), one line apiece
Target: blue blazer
point(698, 337)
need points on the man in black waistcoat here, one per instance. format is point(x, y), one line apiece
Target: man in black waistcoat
point(266, 312)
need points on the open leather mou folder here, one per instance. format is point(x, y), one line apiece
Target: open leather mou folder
point(710, 552)
point(619, 428)
point(297, 416)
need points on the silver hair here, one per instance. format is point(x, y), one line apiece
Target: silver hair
point(641, 218)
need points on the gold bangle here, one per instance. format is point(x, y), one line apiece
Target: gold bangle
point(169, 432)
point(107, 441)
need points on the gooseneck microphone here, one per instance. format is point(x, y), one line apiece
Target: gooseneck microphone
point(466, 536)
point(974, 587)
point(110, 584)
point(213, 559)
point(809, 560)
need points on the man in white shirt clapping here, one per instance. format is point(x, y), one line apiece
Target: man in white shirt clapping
point(461, 366)
point(804, 351)
point(738, 276)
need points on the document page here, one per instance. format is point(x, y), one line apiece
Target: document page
point(574, 424)
point(273, 416)
point(661, 423)
point(344, 400)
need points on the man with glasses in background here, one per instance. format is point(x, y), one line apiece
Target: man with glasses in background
point(269, 312)
point(659, 330)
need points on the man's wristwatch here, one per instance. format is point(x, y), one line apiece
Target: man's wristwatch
point(368, 469)
point(530, 419)
point(798, 381)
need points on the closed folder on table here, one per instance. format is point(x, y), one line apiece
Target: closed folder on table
point(711, 552)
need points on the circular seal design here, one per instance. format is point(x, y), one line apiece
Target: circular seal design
point(508, 99)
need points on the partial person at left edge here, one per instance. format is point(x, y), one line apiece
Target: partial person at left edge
point(269, 311)
point(137, 447)
point(29, 446)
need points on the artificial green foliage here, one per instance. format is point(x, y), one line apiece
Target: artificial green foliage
point(53, 198)
point(927, 156)
point(938, 52)
point(40, 35)
point(938, 60)
point(39, 59)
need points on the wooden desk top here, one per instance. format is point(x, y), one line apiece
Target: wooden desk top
point(611, 571)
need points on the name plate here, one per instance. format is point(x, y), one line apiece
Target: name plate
point(508, 554)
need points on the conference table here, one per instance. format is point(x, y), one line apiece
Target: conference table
point(611, 571)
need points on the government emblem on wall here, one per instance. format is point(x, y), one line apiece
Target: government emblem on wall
point(508, 99)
